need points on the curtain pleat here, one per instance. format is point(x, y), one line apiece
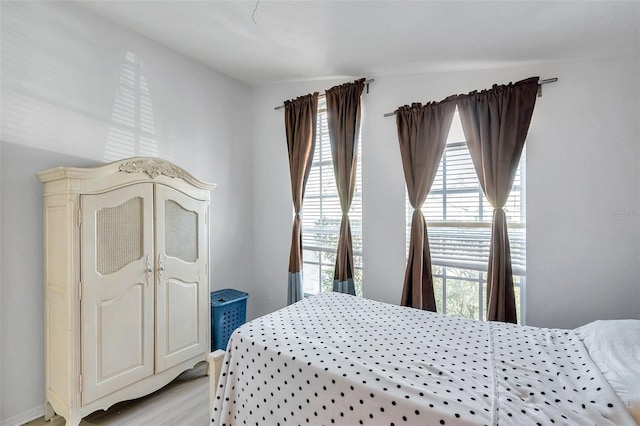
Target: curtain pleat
point(300, 127)
point(422, 134)
point(495, 124)
point(343, 119)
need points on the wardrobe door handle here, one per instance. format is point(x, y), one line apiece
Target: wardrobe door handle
point(160, 266)
point(149, 270)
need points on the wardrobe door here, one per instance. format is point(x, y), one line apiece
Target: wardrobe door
point(182, 293)
point(117, 290)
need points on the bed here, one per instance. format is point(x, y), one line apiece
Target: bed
point(340, 359)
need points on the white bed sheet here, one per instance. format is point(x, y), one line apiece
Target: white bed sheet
point(614, 347)
point(339, 359)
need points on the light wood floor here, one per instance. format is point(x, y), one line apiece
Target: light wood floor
point(183, 402)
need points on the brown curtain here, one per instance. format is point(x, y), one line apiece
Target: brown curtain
point(495, 124)
point(300, 126)
point(343, 119)
point(422, 133)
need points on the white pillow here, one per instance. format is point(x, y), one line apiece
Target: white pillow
point(614, 346)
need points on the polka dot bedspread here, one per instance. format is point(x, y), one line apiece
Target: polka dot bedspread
point(340, 359)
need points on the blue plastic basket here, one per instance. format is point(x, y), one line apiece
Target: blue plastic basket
point(228, 312)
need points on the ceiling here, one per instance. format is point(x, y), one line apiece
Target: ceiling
point(265, 42)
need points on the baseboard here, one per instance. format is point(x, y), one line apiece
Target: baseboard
point(25, 417)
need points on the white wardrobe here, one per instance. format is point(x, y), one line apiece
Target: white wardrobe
point(126, 282)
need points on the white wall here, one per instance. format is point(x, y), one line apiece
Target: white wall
point(583, 161)
point(65, 98)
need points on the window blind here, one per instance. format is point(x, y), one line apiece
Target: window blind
point(459, 216)
point(321, 212)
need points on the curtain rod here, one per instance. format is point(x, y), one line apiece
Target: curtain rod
point(540, 82)
point(371, 80)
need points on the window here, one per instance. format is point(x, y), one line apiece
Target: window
point(321, 216)
point(459, 225)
